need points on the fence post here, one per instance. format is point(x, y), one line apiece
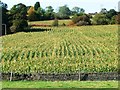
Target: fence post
point(11, 74)
point(79, 75)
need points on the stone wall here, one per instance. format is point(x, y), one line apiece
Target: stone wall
point(61, 77)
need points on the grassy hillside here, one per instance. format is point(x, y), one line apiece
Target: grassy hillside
point(61, 50)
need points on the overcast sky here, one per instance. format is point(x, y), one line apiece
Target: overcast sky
point(88, 5)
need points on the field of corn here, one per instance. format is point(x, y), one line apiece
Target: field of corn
point(61, 50)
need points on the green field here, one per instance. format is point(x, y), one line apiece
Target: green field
point(61, 50)
point(61, 84)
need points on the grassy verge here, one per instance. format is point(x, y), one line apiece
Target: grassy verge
point(60, 84)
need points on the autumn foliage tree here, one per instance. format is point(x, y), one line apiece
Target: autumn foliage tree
point(32, 15)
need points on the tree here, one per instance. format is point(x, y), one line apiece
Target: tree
point(41, 13)
point(49, 14)
point(103, 11)
point(82, 10)
point(77, 10)
point(19, 11)
point(111, 13)
point(28, 7)
point(49, 9)
point(64, 12)
point(32, 15)
point(36, 6)
point(31, 10)
point(100, 19)
point(18, 17)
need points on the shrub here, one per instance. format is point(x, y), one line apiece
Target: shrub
point(55, 22)
point(81, 20)
point(75, 19)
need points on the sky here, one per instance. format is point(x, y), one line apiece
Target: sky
point(90, 6)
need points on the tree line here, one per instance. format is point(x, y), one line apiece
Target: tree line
point(18, 16)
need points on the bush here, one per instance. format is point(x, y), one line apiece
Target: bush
point(81, 20)
point(75, 19)
point(55, 22)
